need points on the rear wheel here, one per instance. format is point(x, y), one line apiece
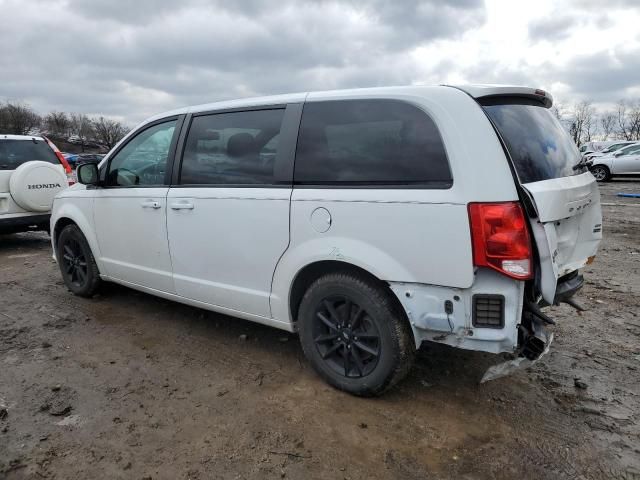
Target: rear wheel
point(354, 335)
point(79, 270)
point(601, 173)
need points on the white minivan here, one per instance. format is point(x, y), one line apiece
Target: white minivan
point(369, 221)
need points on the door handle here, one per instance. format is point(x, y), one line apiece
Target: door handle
point(182, 206)
point(151, 204)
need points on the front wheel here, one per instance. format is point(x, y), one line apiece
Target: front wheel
point(77, 265)
point(354, 335)
point(601, 173)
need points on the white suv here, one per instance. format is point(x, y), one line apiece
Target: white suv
point(369, 221)
point(32, 172)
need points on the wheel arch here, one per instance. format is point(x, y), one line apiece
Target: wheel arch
point(312, 271)
point(58, 227)
point(70, 214)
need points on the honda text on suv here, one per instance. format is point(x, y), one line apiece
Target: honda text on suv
point(32, 172)
point(368, 221)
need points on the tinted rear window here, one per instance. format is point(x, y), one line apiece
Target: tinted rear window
point(14, 153)
point(369, 142)
point(539, 146)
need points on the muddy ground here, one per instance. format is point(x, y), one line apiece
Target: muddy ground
point(126, 385)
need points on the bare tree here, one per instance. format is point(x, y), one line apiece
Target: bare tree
point(628, 116)
point(607, 124)
point(623, 121)
point(582, 125)
point(18, 118)
point(81, 127)
point(634, 121)
point(109, 132)
point(558, 109)
point(58, 124)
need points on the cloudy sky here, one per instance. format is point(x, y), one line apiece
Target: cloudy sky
point(133, 58)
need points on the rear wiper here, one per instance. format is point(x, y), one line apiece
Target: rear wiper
point(582, 163)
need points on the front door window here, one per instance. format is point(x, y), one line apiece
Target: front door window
point(143, 161)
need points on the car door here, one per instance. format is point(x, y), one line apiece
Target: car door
point(130, 208)
point(228, 209)
point(628, 162)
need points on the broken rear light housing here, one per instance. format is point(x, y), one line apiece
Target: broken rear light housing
point(501, 239)
point(71, 179)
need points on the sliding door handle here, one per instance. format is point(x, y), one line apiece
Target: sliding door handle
point(182, 206)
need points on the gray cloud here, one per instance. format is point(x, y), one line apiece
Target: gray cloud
point(134, 58)
point(553, 28)
point(604, 75)
point(598, 5)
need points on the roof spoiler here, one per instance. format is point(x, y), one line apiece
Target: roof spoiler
point(485, 91)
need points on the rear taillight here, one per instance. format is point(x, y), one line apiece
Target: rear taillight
point(71, 179)
point(501, 239)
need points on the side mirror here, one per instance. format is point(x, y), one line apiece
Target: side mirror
point(617, 154)
point(87, 174)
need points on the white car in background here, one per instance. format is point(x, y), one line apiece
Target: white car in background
point(596, 147)
point(608, 150)
point(625, 161)
point(32, 172)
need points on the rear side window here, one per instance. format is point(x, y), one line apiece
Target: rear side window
point(369, 143)
point(235, 148)
point(14, 153)
point(538, 145)
point(628, 150)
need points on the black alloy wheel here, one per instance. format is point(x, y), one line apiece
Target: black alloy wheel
point(346, 338)
point(74, 263)
point(354, 333)
point(77, 265)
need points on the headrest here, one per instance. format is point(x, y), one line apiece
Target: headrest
point(240, 145)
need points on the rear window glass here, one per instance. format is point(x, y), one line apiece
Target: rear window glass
point(538, 145)
point(628, 150)
point(14, 153)
point(369, 142)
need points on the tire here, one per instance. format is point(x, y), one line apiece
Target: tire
point(77, 264)
point(364, 352)
point(601, 173)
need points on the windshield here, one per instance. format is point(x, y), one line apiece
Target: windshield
point(539, 146)
point(14, 153)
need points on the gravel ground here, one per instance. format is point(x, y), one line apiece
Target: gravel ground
point(126, 385)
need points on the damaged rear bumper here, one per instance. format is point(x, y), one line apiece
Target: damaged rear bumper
point(535, 343)
point(511, 366)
